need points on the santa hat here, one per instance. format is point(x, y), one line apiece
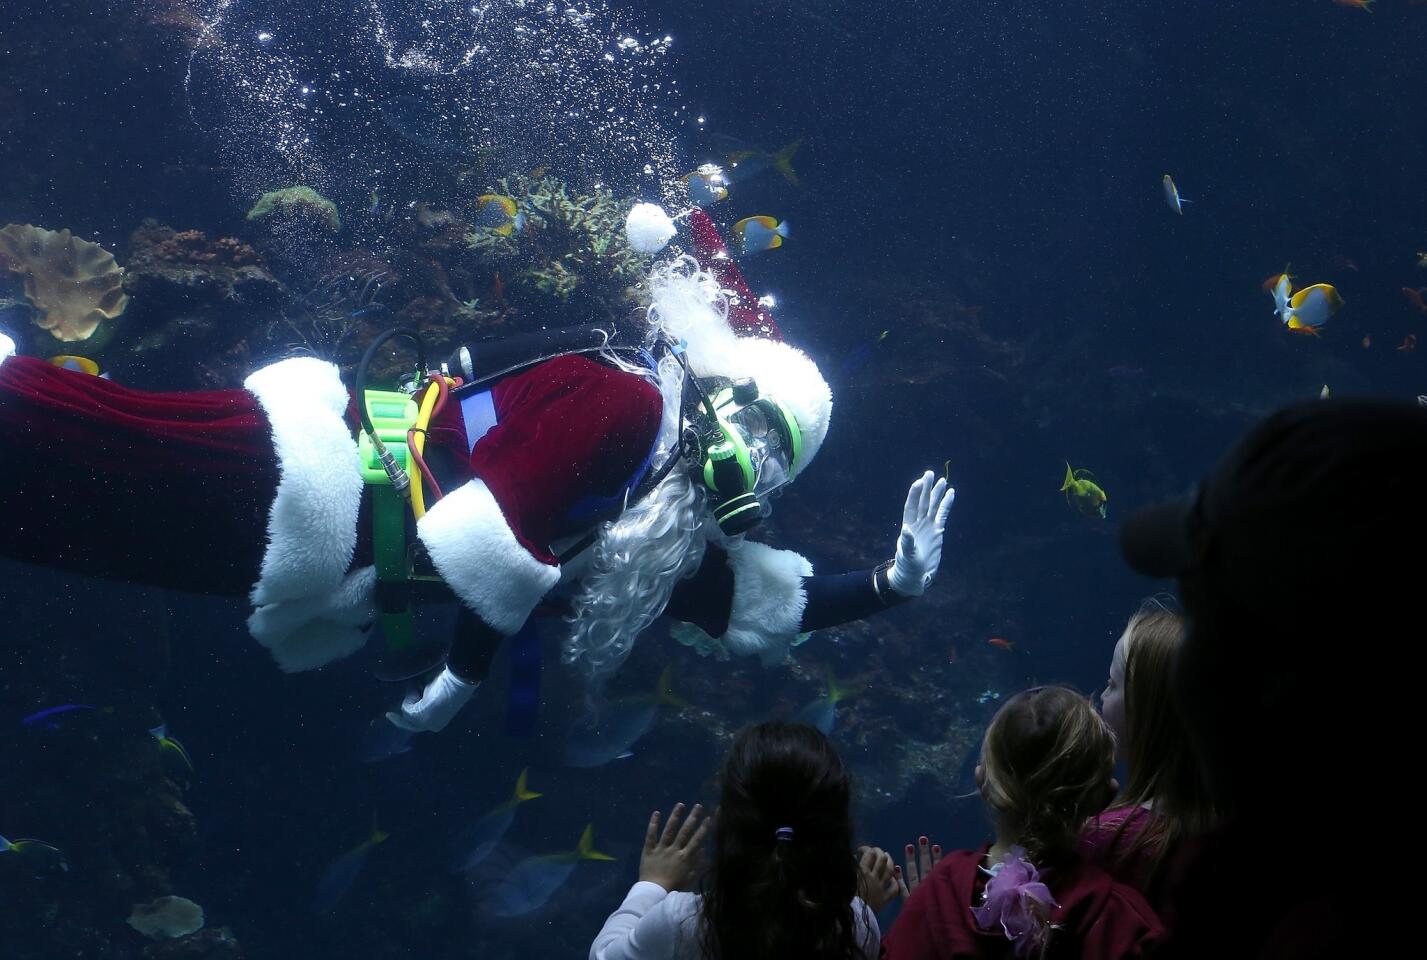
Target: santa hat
point(730, 334)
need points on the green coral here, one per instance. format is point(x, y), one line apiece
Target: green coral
point(297, 201)
point(573, 244)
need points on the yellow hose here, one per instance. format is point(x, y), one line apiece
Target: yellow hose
point(423, 418)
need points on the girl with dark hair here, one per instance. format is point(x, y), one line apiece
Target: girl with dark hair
point(1165, 798)
point(1046, 765)
point(784, 880)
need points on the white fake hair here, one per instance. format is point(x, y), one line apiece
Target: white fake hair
point(640, 556)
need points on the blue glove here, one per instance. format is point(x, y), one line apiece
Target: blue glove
point(923, 525)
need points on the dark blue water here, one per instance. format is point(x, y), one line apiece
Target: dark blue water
point(981, 181)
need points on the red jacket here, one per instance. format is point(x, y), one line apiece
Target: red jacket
point(1099, 918)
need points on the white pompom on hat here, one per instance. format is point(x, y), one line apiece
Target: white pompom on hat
point(648, 228)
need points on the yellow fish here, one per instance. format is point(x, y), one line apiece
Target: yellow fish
point(499, 213)
point(1083, 493)
point(1309, 309)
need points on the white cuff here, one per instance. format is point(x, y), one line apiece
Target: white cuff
point(310, 610)
point(768, 600)
point(312, 526)
point(309, 632)
point(477, 554)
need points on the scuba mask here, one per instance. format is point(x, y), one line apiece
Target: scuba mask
point(742, 447)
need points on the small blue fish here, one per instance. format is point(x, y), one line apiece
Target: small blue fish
point(46, 719)
point(760, 233)
point(534, 880)
point(618, 726)
point(822, 712)
point(476, 843)
point(341, 874)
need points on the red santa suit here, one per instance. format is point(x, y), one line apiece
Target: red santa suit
point(258, 490)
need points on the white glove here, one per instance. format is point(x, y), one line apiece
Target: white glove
point(923, 523)
point(7, 347)
point(435, 706)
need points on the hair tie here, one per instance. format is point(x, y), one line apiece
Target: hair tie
point(783, 834)
point(1017, 901)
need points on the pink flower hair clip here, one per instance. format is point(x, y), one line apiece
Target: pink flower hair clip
point(1016, 899)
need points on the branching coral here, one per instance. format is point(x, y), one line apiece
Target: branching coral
point(73, 285)
point(297, 202)
point(335, 308)
point(573, 243)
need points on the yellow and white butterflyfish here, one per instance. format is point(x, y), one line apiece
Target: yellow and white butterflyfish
point(1171, 195)
point(1282, 290)
point(760, 233)
point(1309, 309)
point(500, 213)
point(707, 185)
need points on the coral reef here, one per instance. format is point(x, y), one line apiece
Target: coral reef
point(73, 285)
point(572, 253)
point(196, 300)
point(297, 203)
point(167, 918)
point(325, 319)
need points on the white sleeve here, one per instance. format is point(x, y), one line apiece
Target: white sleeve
point(869, 933)
point(647, 926)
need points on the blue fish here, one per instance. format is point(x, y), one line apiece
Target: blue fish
point(533, 881)
point(822, 712)
point(760, 233)
point(618, 726)
point(46, 719)
point(743, 163)
point(40, 856)
point(341, 874)
point(476, 842)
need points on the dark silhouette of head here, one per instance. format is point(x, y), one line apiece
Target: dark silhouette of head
point(783, 874)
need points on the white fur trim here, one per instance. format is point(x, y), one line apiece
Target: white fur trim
point(768, 600)
point(688, 305)
point(312, 527)
point(790, 376)
point(476, 552)
point(308, 632)
point(7, 347)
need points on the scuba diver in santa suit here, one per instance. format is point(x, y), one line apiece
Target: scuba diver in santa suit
point(618, 481)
